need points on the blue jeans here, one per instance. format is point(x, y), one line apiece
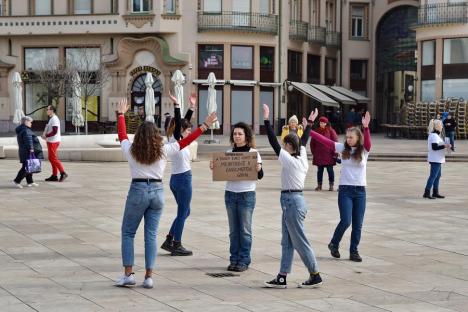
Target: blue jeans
point(352, 204)
point(240, 207)
point(293, 236)
point(181, 187)
point(331, 174)
point(434, 177)
point(451, 136)
point(143, 200)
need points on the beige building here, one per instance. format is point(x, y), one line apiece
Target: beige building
point(253, 47)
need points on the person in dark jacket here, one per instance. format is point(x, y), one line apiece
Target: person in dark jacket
point(27, 143)
point(450, 126)
point(323, 157)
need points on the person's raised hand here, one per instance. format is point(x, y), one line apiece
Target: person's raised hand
point(173, 98)
point(313, 115)
point(211, 119)
point(193, 101)
point(122, 106)
point(266, 112)
point(366, 120)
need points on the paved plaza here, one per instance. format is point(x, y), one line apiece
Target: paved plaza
point(60, 245)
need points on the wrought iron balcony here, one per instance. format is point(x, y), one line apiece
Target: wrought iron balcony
point(333, 39)
point(298, 30)
point(443, 14)
point(316, 34)
point(238, 21)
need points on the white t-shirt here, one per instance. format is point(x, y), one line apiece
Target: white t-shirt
point(53, 122)
point(435, 156)
point(352, 172)
point(243, 186)
point(180, 161)
point(293, 170)
point(153, 171)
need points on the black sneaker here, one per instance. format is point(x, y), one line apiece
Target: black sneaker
point(278, 282)
point(334, 250)
point(232, 267)
point(52, 178)
point(354, 256)
point(167, 245)
point(63, 176)
point(314, 281)
point(241, 268)
point(179, 250)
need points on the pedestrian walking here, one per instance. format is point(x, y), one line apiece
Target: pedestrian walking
point(146, 157)
point(294, 166)
point(52, 136)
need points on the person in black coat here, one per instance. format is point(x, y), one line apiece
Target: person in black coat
point(28, 143)
point(450, 126)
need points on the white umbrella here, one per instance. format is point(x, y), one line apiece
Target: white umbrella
point(178, 79)
point(17, 90)
point(150, 110)
point(211, 104)
point(77, 117)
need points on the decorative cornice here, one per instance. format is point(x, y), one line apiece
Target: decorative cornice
point(138, 20)
point(171, 16)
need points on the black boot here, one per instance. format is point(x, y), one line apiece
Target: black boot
point(52, 178)
point(427, 194)
point(435, 194)
point(179, 250)
point(167, 245)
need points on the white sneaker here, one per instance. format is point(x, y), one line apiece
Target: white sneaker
point(148, 283)
point(17, 185)
point(125, 280)
point(33, 185)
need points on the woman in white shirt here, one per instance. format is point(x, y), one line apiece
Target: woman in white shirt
point(436, 157)
point(352, 190)
point(240, 198)
point(146, 157)
point(181, 178)
point(294, 166)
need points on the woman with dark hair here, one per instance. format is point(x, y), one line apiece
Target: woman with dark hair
point(352, 189)
point(294, 166)
point(146, 157)
point(323, 157)
point(181, 178)
point(239, 197)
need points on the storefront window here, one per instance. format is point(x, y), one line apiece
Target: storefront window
point(428, 90)
point(267, 58)
point(203, 110)
point(37, 98)
point(43, 7)
point(456, 51)
point(428, 48)
point(84, 59)
point(82, 6)
point(40, 58)
point(242, 57)
point(266, 96)
point(210, 56)
point(241, 106)
point(456, 88)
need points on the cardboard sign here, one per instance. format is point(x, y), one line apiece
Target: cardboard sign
point(235, 166)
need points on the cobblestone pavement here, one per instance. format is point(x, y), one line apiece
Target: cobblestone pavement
point(60, 245)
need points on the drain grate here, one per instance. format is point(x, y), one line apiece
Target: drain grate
point(222, 274)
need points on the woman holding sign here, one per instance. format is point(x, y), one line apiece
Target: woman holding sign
point(146, 157)
point(294, 166)
point(181, 178)
point(352, 190)
point(239, 197)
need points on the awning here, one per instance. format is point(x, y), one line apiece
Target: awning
point(205, 82)
point(343, 99)
point(243, 83)
point(308, 90)
point(359, 98)
point(270, 84)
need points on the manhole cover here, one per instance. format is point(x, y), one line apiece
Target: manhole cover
point(222, 274)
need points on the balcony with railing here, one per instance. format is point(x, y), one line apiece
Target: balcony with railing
point(333, 39)
point(443, 14)
point(316, 34)
point(298, 30)
point(238, 22)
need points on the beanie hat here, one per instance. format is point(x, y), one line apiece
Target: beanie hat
point(323, 119)
point(293, 118)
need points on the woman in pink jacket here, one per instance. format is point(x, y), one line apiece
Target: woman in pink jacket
point(322, 156)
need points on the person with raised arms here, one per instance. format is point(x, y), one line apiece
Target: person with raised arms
point(294, 167)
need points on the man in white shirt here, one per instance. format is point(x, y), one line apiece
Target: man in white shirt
point(52, 136)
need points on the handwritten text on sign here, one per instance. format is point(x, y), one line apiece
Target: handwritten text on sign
point(234, 166)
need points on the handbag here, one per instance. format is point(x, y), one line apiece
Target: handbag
point(33, 165)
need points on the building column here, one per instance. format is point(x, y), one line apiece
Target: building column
point(438, 68)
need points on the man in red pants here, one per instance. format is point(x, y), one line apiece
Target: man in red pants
point(52, 136)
